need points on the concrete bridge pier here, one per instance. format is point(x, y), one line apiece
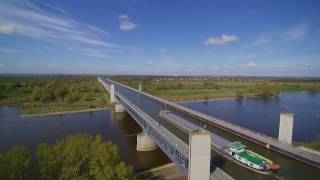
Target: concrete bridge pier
point(286, 127)
point(119, 108)
point(145, 142)
point(112, 95)
point(199, 155)
point(140, 87)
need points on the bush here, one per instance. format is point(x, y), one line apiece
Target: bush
point(206, 97)
point(266, 90)
point(210, 85)
point(88, 97)
point(162, 87)
point(313, 88)
point(239, 95)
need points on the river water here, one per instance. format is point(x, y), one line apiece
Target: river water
point(263, 114)
point(258, 114)
point(119, 128)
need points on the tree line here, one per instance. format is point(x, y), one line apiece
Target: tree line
point(78, 157)
point(53, 89)
point(65, 91)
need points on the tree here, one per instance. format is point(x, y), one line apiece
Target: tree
point(313, 88)
point(15, 163)
point(206, 97)
point(239, 95)
point(60, 92)
point(88, 97)
point(36, 93)
point(266, 90)
point(83, 157)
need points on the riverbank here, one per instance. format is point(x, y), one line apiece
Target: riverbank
point(214, 99)
point(231, 98)
point(67, 112)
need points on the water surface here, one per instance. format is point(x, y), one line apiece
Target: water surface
point(119, 128)
point(263, 114)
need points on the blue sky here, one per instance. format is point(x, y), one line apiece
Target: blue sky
point(161, 37)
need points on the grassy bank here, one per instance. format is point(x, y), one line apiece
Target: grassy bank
point(181, 90)
point(52, 94)
point(315, 145)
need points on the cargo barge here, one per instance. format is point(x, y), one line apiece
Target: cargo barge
point(249, 159)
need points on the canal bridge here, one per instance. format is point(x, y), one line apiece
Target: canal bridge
point(180, 140)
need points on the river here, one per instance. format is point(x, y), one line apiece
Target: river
point(119, 128)
point(263, 114)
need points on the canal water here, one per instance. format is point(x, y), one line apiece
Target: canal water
point(261, 115)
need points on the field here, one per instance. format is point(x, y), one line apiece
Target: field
point(52, 94)
point(181, 90)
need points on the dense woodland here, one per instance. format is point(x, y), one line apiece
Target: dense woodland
point(78, 157)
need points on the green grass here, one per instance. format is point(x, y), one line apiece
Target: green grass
point(18, 93)
point(192, 90)
point(13, 94)
point(315, 145)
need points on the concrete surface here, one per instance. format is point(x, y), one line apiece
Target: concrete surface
point(286, 127)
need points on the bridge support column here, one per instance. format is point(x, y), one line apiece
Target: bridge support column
point(286, 127)
point(145, 142)
point(199, 155)
point(119, 108)
point(140, 87)
point(112, 97)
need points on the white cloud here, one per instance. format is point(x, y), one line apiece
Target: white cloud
point(259, 41)
point(9, 29)
point(163, 50)
point(263, 40)
point(27, 19)
point(252, 65)
point(149, 62)
point(295, 33)
point(97, 55)
point(123, 17)
point(225, 39)
point(55, 8)
point(91, 41)
point(126, 24)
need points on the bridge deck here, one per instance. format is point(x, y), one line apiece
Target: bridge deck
point(186, 126)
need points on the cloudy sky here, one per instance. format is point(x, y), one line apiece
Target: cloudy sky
point(161, 37)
